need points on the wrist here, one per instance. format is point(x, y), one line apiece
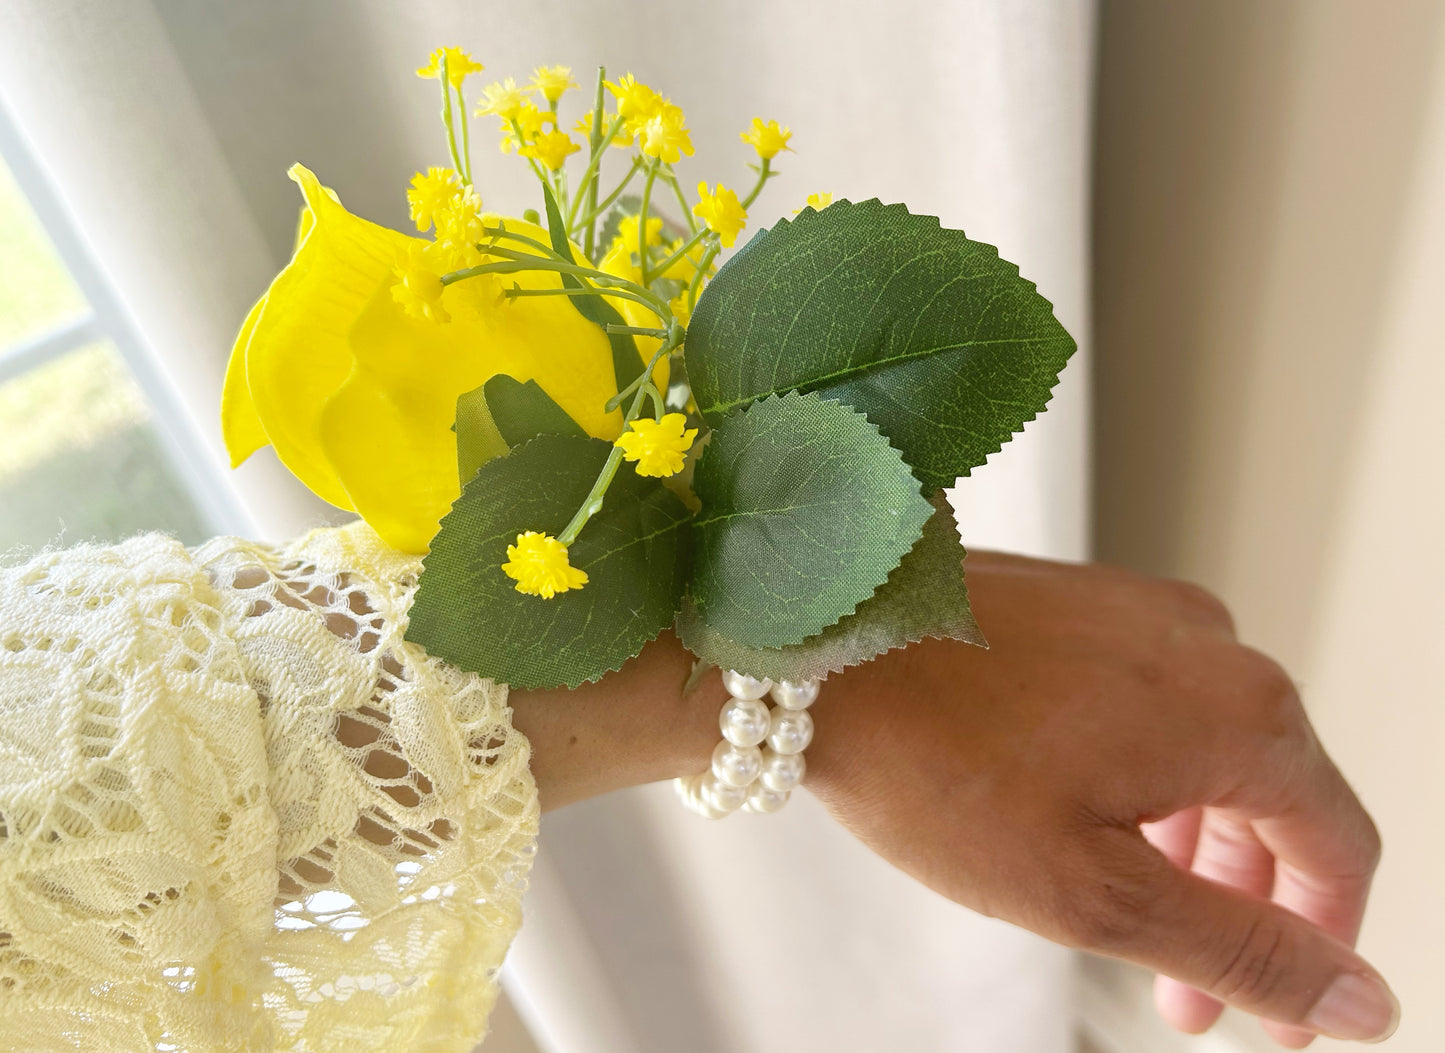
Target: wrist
point(631, 727)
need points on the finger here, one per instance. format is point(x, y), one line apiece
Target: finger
point(1243, 951)
point(1175, 835)
point(1226, 851)
point(1327, 850)
point(1184, 1008)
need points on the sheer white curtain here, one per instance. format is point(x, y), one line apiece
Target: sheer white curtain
point(167, 126)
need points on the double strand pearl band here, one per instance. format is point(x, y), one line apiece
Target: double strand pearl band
point(745, 773)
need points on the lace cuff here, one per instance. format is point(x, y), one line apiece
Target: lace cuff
point(239, 811)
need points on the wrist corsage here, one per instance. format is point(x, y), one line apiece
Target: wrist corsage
point(595, 432)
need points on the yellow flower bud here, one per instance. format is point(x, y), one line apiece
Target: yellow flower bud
point(539, 565)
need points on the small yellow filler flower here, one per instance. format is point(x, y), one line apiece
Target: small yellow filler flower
point(817, 202)
point(431, 194)
point(551, 148)
point(553, 81)
point(665, 136)
point(538, 564)
point(503, 99)
point(459, 64)
point(767, 139)
point(721, 211)
point(657, 446)
point(636, 102)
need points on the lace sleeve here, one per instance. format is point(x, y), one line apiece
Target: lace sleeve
point(238, 811)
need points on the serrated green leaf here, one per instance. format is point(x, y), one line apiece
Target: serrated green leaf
point(523, 411)
point(478, 438)
point(805, 511)
point(635, 552)
point(924, 596)
point(935, 338)
point(627, 361)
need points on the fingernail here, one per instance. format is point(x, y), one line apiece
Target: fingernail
point(1357, 1007)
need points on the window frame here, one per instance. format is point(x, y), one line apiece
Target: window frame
point(182, 443)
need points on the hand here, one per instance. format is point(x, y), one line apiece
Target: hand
point(1118, 774)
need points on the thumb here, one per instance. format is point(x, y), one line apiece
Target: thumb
point(1247, 952)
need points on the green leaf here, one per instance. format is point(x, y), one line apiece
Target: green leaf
point(805, 511)
point(932, 336)
point(924, 596)
point(478, 439)
point(635, 552)
point(627, 361)
point(524, 411)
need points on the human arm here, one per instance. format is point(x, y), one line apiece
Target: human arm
point(1015, 781)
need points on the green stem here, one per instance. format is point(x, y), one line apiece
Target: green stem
point(594, 167)
point(659, 404)
point(447, 119)
point(516, 262)
point(696, 284)
point(521, 145)
point(635, 330)
point(683, 251)
point(642, 222)
point(670, 177)
point(593, 502)
point(503, 232)
point(621, 294)
point(591, 216)
point(764, 174)
point(466, 137)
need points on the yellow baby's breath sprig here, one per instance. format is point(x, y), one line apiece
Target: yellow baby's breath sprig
point(503, 99)
point(767, 139)
point(539, 565)
point(430, 194)
point(816, 201)
point(721, 211)
point(658, 447)
point(456, 62)
point(553, 82)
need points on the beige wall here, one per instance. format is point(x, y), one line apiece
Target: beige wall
point(1270, 267)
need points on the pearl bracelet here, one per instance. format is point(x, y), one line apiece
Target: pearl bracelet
point(744, 774)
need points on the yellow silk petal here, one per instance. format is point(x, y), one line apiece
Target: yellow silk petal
point(388, 428)
point(240, 426)
point(299, 352)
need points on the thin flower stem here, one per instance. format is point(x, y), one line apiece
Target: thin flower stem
point(659, 404)
point(594, 167)
point(764, 174)
point(522, 145)
point(516, 262)
point(636, 330)
point(695, 286)
point(593, 502)
point(662, 267)
point(591, 216)
point(594, 161)
point(466, 137)
point(670, 177)
point(503, 232)
point(642, 222)
point(447, 119)
point(621, 294)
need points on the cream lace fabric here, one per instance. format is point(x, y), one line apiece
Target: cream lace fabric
point(239, 812)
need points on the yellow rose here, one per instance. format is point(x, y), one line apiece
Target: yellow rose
point(358, 397)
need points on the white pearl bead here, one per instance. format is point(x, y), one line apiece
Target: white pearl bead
point(740, 685)
point(744, 721)
point(782, 771)
point(795, 696)
point(736, 765)
point(721, 795)
point(689, 793)
point(792, 730)
point(762, 801)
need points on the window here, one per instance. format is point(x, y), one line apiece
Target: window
point(88, 448)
